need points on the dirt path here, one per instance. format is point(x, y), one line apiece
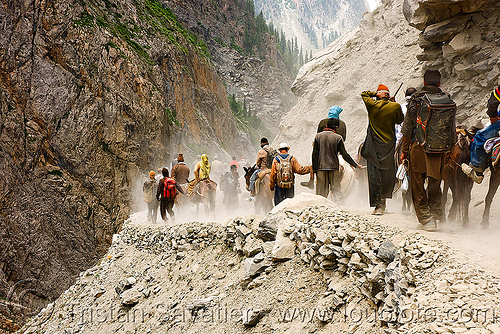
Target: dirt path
point(474, 244)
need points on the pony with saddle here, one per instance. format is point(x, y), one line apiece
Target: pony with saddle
point(263, 194)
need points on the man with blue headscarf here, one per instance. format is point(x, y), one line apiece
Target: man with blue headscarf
point(333, 112)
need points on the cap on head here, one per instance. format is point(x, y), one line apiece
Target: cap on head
point(152, 174)
point(283, 146)
point(410, 91)
point(382, 88)
point(432, 77)
point(334, 112)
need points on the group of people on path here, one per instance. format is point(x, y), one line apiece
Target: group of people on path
point(161, 189)
point(424, 125)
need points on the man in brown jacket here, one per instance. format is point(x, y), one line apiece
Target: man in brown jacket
point(325, 161)
point(181, 171)
point(423, 165)
point(282, 174)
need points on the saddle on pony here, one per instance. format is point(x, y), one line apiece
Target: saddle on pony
point(493, 146)
point(260, 178)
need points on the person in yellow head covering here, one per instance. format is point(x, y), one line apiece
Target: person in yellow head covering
point(201, 173)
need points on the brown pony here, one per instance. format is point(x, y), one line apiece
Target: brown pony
point(264, 198)
point(456, 181)
point(204, 192)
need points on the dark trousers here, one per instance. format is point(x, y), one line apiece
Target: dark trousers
point(280, 194)
point(166, 204)
point(427, 202)
point(380, 183)
point(326, 181)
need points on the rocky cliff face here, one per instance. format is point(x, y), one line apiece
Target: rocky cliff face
point(261, 80)
point(92, 94)
point(461, 39)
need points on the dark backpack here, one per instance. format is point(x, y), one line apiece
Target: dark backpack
point(284, 175)
point(436, 122)
point(271, 154)
point(169, 190)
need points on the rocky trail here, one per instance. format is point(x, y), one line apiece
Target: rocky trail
point(309, 266)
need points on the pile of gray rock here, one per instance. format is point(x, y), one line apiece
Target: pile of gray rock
point(398, 280)
point(408, 283)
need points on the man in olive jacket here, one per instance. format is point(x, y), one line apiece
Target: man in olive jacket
point(380, 143)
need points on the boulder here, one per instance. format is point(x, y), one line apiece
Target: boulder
point(252, 246)
point(130, 297)
point(268, 228)
point(445, 31)
point(387, 251)
point(284, 248)
point(467, 41)
point(254, 268)
point(252, 316)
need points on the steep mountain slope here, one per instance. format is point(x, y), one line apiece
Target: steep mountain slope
point(92, 95)
point(315, 23)
point(460, 38)
point(249, 64)
point(381, 50)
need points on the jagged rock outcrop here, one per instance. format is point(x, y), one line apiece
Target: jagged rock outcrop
point(92, 94)
point(461, 39)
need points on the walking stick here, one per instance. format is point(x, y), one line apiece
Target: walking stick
point(394, 96)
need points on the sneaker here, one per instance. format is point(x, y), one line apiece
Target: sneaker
point(470, 172)
point(379, 210)
point(309, 185)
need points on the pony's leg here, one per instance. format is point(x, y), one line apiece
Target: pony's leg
point(492, 189)
point(465, 201)
point(455, 203)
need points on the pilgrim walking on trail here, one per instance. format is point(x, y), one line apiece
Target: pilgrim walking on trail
point(325, 162)
point(429, 133)
point(379, 145)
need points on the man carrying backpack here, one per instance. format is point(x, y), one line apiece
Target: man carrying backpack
point(282, 174)
point(379, 145)
point(428, 135)
point(265, 158)
point(149, 189)
point(478, 154)
point(166, 193)
point(325, 161)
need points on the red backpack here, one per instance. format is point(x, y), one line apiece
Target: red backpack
point(169, 190)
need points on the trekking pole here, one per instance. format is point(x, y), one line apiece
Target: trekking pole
point(394, 97)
